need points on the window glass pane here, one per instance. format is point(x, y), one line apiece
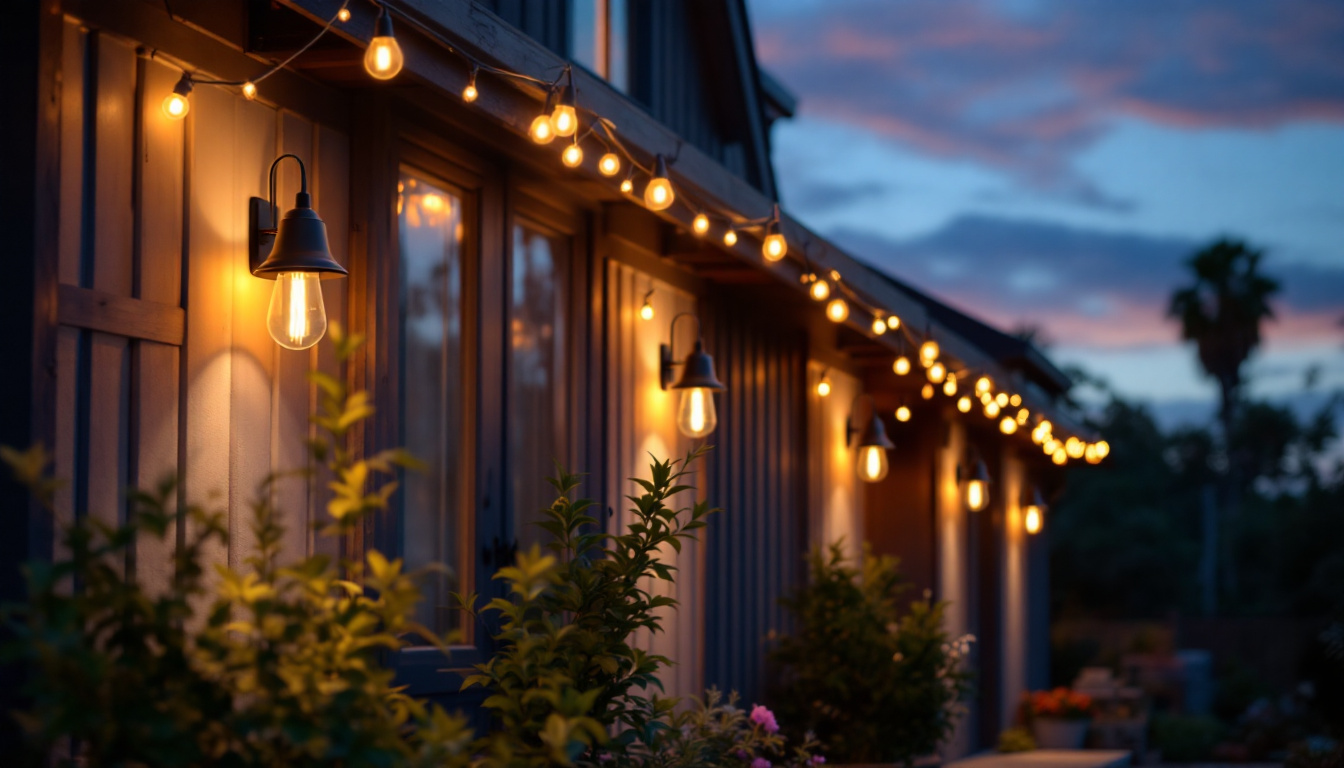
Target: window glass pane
point(618, 33)
point(434, 527)
point(537, 374)
point(586, 43)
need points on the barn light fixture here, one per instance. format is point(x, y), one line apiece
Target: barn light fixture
point(659, 195)
point(294, 253)
point(176, 105)
point(977, 486)
point(873, 443)
point(696, 416)
point(383, 59)
point(1034, 512)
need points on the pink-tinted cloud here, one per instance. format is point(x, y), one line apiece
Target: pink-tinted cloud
point(981, 80)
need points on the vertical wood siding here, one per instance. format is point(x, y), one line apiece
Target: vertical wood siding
point(156, 210)
point(641, 422)
point(835, 500)
point(758, 476)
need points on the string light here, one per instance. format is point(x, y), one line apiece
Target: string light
point(572, 156)
point(986, 399)
point(1032, 520)
point(609, 164)
point(964, 404)
point(1103, 449)
point(470, 93)
point(927, 392)
point(541, 131)
point(824, 386)
point(1015, 400)
point(1074, 448)
point(879, 326)
point(1008, 426)
point(730, 238)
point(928, 352)
point(700, 224)
point(1045, 426)
point(1001, 399)
point(628, 183)
point(1059, 457)
point(820, 290)
point(992, 409)
point(950, 386)
point(983, 384)
point(176, 105)
point(383, 59)
point(1022, 416)
point(903, 414)
point(774, 247)
point(249, 90)
point(901, 366)
point(564, 120)
point(1090, 454)
point(659, 195)
point(646, 311)
point(837, 311)
point(893, 322)
point(936, 372)
point(343, 14)
point(1051, 445)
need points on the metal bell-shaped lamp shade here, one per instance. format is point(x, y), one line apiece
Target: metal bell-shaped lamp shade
point(300, 246)
point(872, 464)
point(696, 415)
point(299, 259)
point(977, 488)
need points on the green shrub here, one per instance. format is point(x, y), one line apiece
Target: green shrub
point(1016, 740)
point(1186, 738)
point(874, 684)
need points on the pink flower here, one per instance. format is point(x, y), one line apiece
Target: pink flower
point(742, 754)
point(760, 762)
point(764, 718)
point(817, 760)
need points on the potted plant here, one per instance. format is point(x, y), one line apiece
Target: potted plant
point(1059, 718)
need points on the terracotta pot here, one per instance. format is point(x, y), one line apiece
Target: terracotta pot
point(1057, 733)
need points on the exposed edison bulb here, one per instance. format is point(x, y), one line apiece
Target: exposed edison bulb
point(1001, 399)
point(730, 238)
point(1032, 519)
point(1015, 400)
point(176, 106)
point(824, 387)
point(658, 195)
point(964, 404)
point(950, 386)
point(820, 290)
point(572, 157)
point(977, 494)
point(564, 120)
point(926, 392)
point(383, 60)
point(470, 94)
point(879, 326)
point(1008, 426)
point(1103, 449)
point(937, 372)
point(872, 463)
point(774, 247)
point(1045, 426)
point(627, 186)
point(696, 416)
point(249, 90)
point(1060, 457)
point(992, 409)
point(1038, 436)
point(1051, 445)
point(903, 413)
point(541, 131)
point(1074, 448)
point(1090, 454)
point(901, 366)
point(700, 224)
point(983, 385)
point(646, 311)
point(928, 352)
point(343, 14)
point(297, 318)
point(609, 164)
point(1022, 416)
point(837, 311)
point(893, 322)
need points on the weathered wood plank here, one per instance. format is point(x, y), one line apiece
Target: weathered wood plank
point(67, 405)
point(160, 206)
point(120, 315)
point(331, 188)
point(114, 133)
point(154, 369)
point(72, 151)
point(108, 439)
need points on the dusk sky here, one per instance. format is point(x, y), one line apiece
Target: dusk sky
point(1051, 163)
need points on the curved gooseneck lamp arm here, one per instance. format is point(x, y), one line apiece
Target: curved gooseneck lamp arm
point(851, 428)
point(667, 351)
point(302, 200)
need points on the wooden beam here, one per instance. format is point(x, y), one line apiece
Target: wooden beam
point(134, 318)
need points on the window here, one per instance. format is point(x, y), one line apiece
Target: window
point(538, 372)
point(436, 528)
point(599, 31)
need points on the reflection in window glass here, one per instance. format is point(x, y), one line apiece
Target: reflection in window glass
point(433, 527)
point(537, 370)
point(598, 38)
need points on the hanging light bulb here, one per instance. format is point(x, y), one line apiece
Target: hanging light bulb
point(950, 385)
point(249, 90)
point(627, 185)
point(992, 409)
point(964, 404)
point(1001, 399)
point(730, 238)
point(646, 311)
point(983, 384)
point(873, 444)
point(901, 366)
point(1051, 445)
point(572, 157)
point(1022, 416)
point(343, 14)
point(1038, 436)
point(893, 322)
point(470, 93)
point(774, 247)
point(928, 352)
point(820, 290)
point(659, 195)
point(937, 372)
point(1103, 449)
point(1034, 512)
point(1060, 457)
point(1074, 448)
point(1008, 426)
point(297, 318)
point(1015, 400)
point(903, 414)
point(383, 59)
point(696, 416)
point(879, 326)
point(1090, 454)
point(541, 131)
point(824, 386)
point(926, 392)
point(837, 311)
point(176, 105)
point(564, 120)
point(700, 224)
point(977, 487)
point(609, 164)
point(1045, 426)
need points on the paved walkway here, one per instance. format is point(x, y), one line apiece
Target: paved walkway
point(1047, 758)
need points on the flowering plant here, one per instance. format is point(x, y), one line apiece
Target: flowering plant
point(717, 733)
point(1061, 703)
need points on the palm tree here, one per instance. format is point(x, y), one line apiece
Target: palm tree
point(1221, 312)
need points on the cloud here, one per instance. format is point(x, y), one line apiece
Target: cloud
point(1028, 89)
point(1084, 287)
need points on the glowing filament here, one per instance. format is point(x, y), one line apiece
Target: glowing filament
point(696, 416)
point(774, 247)
point(872, 463)
point(879, 326)
point(1032, 520)
point(820, 290)
point(700, 224)
point(964, 404)
point(730, 238)
point(1008, 426)
point(297, 318)
point(572, 157)
point(609, 165)
point(928, 352)
point(977, 495)
point(903, 413)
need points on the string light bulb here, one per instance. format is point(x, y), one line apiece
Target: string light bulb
point(926, 392)
point(820, 290)
point(1034, 512)
point(572, 157)
point(343, 14)
point(249, 90)
point(1074, 448)
point(1001, 399)
point(824, 386)
point(609, 164)
point(700, 224)
point(1008, 426)
point(470, 93)
point(893, 322)
point(903, 414)
point(383, 59)
point(977, 487)
point(1090, 454)
point(730, 238)
point(659, 195)
point(837, 310)
point(564, 120)
point(1022, 417)
point(950, 385)
point(964, 404)
point(928, 352)
point(937, 372)
point(879, 326)
point(774, 247)
point(646, 311)
point(541, 131)
point(1051, 445)
point(176, 105)
point(628, 183)
point(983, 384)
point(1015, 400)
point(1060, 457)
point(901, 366)
point(992, 409)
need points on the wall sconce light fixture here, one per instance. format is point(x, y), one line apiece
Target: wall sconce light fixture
point(294, 253)
point(1034, 512)
point(872, 444)
point(696, 416)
